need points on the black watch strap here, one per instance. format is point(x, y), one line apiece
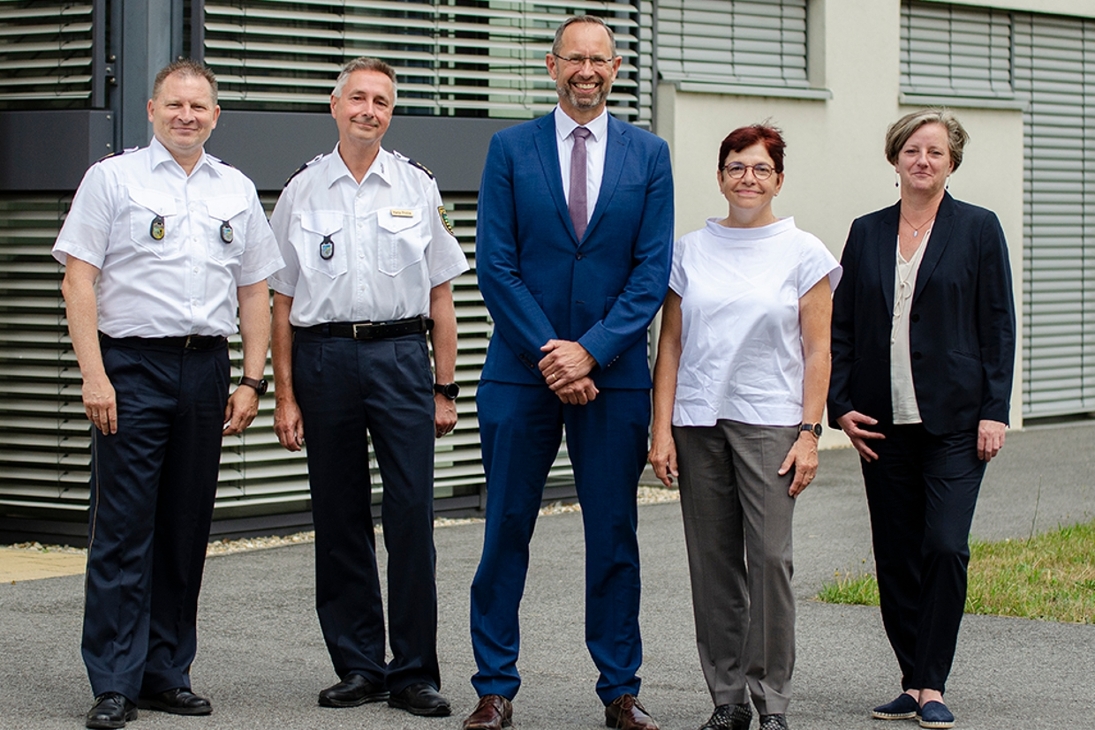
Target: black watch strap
point(814, 428)
point(259, 385)
point(449, 390)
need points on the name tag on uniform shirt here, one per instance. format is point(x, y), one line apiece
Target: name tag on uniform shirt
point(402, 213)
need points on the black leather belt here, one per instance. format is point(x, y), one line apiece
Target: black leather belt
point(188, 342)
point(373, 330)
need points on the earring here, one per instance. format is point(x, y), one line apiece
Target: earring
point(948, 184)
point(896, 179)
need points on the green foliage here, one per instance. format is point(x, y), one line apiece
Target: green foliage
point(1049, 576)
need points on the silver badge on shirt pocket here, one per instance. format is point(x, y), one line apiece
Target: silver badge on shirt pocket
point(326, 248)
point(226, 232)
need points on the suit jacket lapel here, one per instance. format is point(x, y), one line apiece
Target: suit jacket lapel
point(887, 254)
point(547, 147)
point(937, 242)
point(616, 147)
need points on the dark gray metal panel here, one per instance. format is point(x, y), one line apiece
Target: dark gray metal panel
point(269, 146)
point(51, 150)
point(151, 36)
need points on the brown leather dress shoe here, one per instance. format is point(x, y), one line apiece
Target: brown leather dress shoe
point(493, 712)
point(627, 713)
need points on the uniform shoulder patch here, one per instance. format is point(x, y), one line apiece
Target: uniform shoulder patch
point(403, 158)
point(301, 169)
point(445, 220)
point(119, 153)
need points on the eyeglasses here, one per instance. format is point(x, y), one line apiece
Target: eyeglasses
point(761, 170)
point(595, 61)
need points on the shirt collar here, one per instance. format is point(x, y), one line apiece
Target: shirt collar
point(160, 155)
point(564, 125)
point(381, 168)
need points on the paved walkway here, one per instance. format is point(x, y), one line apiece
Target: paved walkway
point(262, 660)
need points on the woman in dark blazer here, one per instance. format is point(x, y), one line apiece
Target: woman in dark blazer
point(923, 345)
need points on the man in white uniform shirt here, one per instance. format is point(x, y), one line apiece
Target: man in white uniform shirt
point(369, 255)
point(160, 247)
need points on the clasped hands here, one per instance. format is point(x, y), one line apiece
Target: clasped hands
point(566, 368)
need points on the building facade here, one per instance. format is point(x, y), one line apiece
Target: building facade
point(831, 73)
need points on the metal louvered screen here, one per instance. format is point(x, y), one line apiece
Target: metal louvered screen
point(955, 50)
point(452, 58)
point(968, 52)
point(45, 53)
point(761, 42)
point(1054, 66)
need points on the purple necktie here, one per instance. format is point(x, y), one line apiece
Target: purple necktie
point(579, 214)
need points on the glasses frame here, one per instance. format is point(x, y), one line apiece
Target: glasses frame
point(746, 168)
point(579, 61)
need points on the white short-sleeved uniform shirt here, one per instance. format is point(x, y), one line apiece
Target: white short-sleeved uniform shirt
point(367, 252)
point(158, 237)
point(741, 356)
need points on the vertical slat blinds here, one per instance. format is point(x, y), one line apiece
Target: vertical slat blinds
point(452, 57)
point(760, 42)
point(1049, 60)
point(45, 53)
point(955, 50)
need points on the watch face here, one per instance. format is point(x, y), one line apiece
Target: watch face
point(450, 391)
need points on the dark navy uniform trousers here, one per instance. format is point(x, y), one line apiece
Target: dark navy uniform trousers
point(152, 489)
point(350, 391)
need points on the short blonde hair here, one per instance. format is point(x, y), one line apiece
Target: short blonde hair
point(900, 131)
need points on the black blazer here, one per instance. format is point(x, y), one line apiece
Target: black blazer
point(961, 323)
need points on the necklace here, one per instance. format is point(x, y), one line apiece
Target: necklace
point(916, 229)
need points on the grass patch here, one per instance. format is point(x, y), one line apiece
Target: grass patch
point(1050, 577)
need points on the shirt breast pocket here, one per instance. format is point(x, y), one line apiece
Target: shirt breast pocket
point(402, 237)
point(223, 229)
point(153, 221)
point(322, 245)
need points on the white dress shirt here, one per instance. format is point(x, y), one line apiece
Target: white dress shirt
point(180, 280)
point(389, 242)
point(596, 145)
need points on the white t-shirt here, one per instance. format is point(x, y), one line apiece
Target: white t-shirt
point(741, 356)
point(362, 252)
point(172, 248)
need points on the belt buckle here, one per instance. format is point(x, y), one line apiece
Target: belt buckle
point(363, 334)
point(186, 344)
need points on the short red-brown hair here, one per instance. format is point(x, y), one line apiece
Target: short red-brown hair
point(764, 134)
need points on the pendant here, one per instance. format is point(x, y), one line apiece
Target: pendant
point(226, 232)
point(326, 248)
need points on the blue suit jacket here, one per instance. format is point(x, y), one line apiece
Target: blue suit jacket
point(540, 282)
point(961, 323)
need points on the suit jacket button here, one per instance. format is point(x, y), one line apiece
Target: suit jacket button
point(914, 318)
point(578, 256)
point(916, 356)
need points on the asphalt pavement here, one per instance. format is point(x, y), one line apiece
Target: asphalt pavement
point(262, 661)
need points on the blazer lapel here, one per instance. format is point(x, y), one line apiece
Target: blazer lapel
point(887, 255)
point(547, 148)
point(937, 242)
point(616, 147)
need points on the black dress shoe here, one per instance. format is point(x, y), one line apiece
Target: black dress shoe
point(178, 701)
point(352, 691)
point(421, 699)
point(111, 710)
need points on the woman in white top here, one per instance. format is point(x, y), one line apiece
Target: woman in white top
point(739, 389)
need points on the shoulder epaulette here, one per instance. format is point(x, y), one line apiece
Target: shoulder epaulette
point(301, 169)
point(116, 154)
point(419, 165)
point(217, 159)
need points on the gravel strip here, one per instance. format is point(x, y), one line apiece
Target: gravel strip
point(647, 495)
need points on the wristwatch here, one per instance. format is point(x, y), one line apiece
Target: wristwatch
point(260, 386)
point(814, 428)
point(450, 390)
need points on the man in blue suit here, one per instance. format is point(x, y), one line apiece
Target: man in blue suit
point(574, 242)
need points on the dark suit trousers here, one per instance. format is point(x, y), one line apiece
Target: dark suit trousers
point(921, 492)
point(521, 427)
point(350, 391)
point(152, 489)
